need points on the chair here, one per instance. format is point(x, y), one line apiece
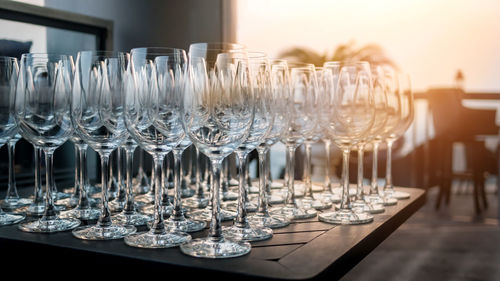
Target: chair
point(454, 123)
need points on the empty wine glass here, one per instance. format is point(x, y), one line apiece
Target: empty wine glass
point(217, 114)
point(129, 214)
point(380, 103)
point(351, 115)
point(9, 71)
point(84, 209)
point(279, 95)
point(42, 108)
point(262, 123)
point(152, 116)
point(402, 88)
point(302, 122)
point(314, 200)
point(97, 115)
point(142, 183)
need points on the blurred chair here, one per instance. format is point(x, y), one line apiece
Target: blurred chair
point(454, 123)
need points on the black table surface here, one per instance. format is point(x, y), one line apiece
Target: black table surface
point(306, 249)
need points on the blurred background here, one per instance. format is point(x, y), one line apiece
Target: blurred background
point(449, 48)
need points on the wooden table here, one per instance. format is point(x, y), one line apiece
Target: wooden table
point(307, 249)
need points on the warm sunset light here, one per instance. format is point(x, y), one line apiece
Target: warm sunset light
point(429, 39)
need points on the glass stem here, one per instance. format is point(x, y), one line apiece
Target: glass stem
point(12, 189)
point(215, 231)
point(268, 170)
point(346, 198)
point(83, 202)
point(158, 226)
point(50, 211)
point(194, 166)
point(200, 191)
point(290, 197)
point(119, 180)
point(129, 205)
point(38, 192)
point(177, 213)
point(262, 207)
point(241, 216)
point(328, 167)
point(165, 201)
point(77, 187)
point(307, 171)
point(388, 169)
point(359, 186)
point(374, 184)
point(105, 218)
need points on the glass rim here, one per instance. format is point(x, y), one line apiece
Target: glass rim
point(7, 58)
point(157, 50)
point(199, 45)
point(45, 55)
point(103, 53)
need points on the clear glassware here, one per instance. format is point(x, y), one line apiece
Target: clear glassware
point(402, 87)
point(227, 195)
point(118, 203)
point(9, 71)
point(142, 183)
point(148, 197)
point(351, 115)
point(380, 102)
point(315, 201)
point(97, 116)
point(279, 91)
point(186, 190)
point(152, 116)
point(129, 215)
point(302, 122)
point(42, 112)
point(12, 199)
point(217, 114)
point(84, 209)
point(177, 221)
point(200, 198)
point(261, 126)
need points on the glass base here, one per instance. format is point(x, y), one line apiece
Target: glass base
point(400, 195)
point(345, 217)
point(166, 210)
point(14, 203)
point(294, 212)
point(233, 206)
point(276, 198)
point(317, 188)
point(187, 192)
point(377, 199)
point(229, 196)
point(151, 240)
point(360, 206)
point(277, 185)
point(135, 219)
point(116, 205)
point(145, 198)
point(82, 214)
point(95, 232)
point(37, 210)
point(331, 197)
point(311, 202)
point(206, 215)
point(215, 248)
point(253, 189)
point(196, 202)
point(247, 233)
point(271, 221)
point(49, 225)
point(233, 182)
point(6, 218)
point(72, 202)
point(184, 225)
point(141, 185)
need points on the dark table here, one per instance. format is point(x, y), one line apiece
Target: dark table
point(307, 249)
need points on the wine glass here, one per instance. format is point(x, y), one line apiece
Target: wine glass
point(84, 209)
point(316, 201)
point(152, 116)
point(9, 71)
point(402, 88)
point(142, 183)
point(97, 115)
point(351, 115)
point(261, 125)
point(200, 198)
point(380, 103)
point(279, 95)
point(302, 122)
point(217, 114)
point(42, 111)
point(129, 214)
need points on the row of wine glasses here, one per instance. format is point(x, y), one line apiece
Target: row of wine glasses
point(221, 98)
